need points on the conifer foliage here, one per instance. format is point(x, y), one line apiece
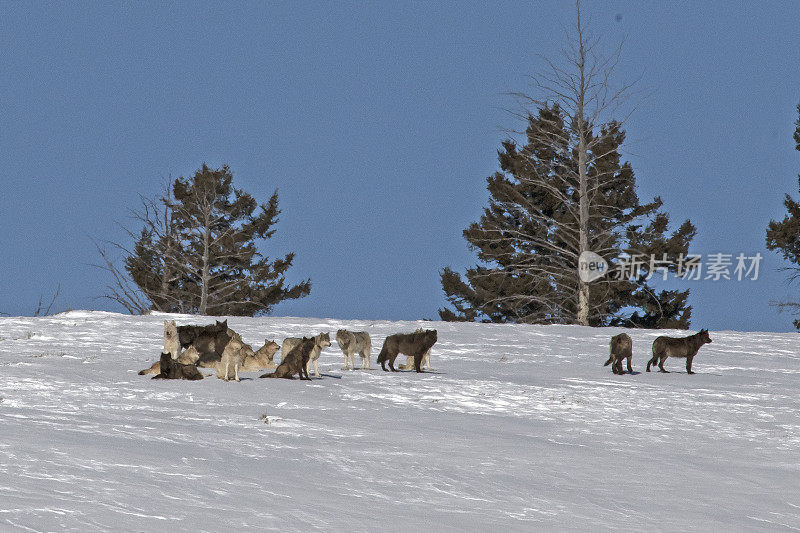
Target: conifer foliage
point(198, 253)
point(784, 236)
point(565, 190)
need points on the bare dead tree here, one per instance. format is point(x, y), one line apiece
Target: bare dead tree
point(583, 91)
point(563, 192)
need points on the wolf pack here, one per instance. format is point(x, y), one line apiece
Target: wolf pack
point(217, 346)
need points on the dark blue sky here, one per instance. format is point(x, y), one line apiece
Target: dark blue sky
point(378, 124)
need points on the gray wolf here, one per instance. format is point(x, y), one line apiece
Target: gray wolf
point(685, 347)
point(295, 361)
point(323, 340)
point(621, 348)
point(413, 344)
point(352, 342)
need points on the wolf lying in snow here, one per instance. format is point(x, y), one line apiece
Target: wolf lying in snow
point(351, 343)
point(170, 368)
point(426, 358)
point(621, 348)
point(686, 347)
point(295, 361)
point(413, 344)
point(323, 340)
point(262, 359)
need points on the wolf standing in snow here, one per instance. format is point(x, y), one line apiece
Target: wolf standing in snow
point(295, 361)
point(352, 342)
point(685, 347)
point(426, 359)
point(621, 348)
point(413, 344)
point(323, 340)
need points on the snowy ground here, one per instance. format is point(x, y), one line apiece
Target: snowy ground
point(520, 428)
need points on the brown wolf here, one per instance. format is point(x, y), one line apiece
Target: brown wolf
point(295, 361)
point(351, 343)
point(413, 344)
point(621, 348)
point(426, 359)
point(262, 359)
point(323, 340)
point(171, 369)
point(686, 347)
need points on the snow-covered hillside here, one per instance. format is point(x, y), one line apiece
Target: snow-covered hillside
point(520, 428)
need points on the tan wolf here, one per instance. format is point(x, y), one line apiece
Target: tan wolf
point(621, 348)
point(262, 359)
point(295, 361)
point(323, 340)
point(351, 343)
point(426, 359)
point(232, 359)
point(685, 347)
point(414, 344)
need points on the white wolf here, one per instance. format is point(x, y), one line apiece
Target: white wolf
point(426, 359)
point(352, 342)
point(172, 344)
point(321, 341)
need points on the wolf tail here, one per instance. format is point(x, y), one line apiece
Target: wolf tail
point(608, 362)
point(272, 375)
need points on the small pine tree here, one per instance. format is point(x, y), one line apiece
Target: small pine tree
point(198, 254)
point(784, 236)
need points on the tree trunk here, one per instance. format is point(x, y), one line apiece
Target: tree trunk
point(583, 189)
point(205, 272)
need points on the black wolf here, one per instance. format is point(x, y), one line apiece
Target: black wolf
point(414, 344)
point(172, 369)
point(295, 361)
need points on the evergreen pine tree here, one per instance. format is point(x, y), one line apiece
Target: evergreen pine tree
point(784, 236)
point(527, 239)
point(199, 253)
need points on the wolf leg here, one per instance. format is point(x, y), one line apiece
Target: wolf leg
point(236, 371)
point(630, 368)
point(418, 362)
point(426, 360)
point(689, 365)
point(661, 364)
point(316, 368)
